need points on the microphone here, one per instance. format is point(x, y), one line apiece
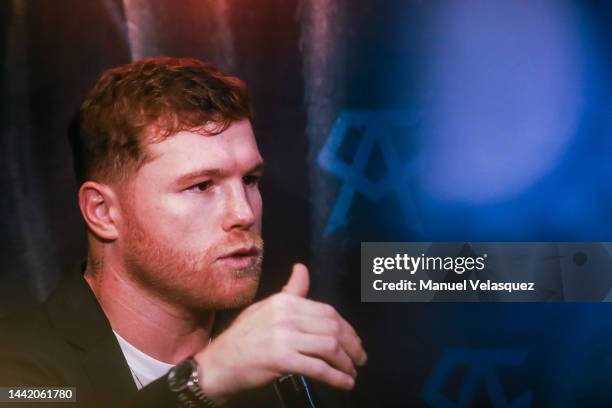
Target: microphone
point(293, 392)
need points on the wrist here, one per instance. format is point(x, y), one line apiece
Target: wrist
point(209, 378)
point(184, 381)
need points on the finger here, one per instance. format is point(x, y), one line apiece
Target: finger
point(327, 348)
point(319, 370)
point(315, 317)
point(299, 281)
point(320, 318)
point(337, 328)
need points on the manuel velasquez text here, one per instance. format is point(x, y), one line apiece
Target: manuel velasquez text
point(465, 285)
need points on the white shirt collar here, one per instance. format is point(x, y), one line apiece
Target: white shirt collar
point(145, 369)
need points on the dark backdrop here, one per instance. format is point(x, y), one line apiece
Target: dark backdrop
point(490, 121)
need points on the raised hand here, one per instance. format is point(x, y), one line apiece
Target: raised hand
point(284, 333)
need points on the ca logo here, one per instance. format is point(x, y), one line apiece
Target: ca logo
point(481, 366)
point(377, 130)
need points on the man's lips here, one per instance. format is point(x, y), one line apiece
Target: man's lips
point(249, 251)
point(240, 258)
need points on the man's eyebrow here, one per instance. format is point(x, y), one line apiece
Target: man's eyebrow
point(258, 168)
point(201, 173)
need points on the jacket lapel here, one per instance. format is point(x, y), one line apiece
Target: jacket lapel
point(109, 373)
point(75, 313)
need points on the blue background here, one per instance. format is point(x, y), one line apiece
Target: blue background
point(489, 121)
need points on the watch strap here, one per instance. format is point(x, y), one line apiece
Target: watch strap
point(190, 394)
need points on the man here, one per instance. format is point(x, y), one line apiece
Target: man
point(168, 169)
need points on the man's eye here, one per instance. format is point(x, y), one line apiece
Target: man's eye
point(203, 186)
point(251, 180)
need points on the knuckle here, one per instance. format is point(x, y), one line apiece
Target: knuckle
point(318, 368)
point(329, 310)
point(332, 345)
point(335, 328)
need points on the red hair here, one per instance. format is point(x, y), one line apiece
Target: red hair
point(145, 102)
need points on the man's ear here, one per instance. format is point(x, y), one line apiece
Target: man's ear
point(98, 204)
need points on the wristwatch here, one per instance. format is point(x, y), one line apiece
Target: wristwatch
point(183, 380)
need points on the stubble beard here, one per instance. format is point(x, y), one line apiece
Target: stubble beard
point(189, 279)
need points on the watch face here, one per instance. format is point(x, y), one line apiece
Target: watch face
point(179, 375)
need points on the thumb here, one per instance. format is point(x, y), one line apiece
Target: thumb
point(298, 281)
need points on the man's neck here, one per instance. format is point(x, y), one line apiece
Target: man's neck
point(152, 325)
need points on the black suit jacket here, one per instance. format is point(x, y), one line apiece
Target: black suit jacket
point(68, 341)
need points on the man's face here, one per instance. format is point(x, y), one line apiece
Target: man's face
point(191, 219)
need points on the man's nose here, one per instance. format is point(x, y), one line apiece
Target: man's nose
point(238, 212)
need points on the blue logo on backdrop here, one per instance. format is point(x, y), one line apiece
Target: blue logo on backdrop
point(481, 370)
point(365, 134)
